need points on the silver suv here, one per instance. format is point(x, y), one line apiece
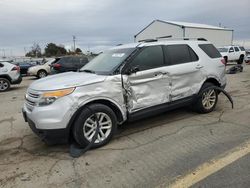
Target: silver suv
point(124, 83)
point(9, 75)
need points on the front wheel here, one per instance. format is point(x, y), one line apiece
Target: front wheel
point(85, 125)
point(207, 99)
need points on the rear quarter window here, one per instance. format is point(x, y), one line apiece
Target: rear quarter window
point(242, 48)
point(178, 54)
point(210, 50)
point(1, 65)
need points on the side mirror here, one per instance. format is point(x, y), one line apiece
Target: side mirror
point(131, 70)
point(230, 51)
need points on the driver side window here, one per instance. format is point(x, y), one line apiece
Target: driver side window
point(149, 58)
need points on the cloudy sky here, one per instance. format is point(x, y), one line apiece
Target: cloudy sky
point(98, 24)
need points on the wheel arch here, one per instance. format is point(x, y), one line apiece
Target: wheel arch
point(117, 110)
point(213, 81)
point(6, 77)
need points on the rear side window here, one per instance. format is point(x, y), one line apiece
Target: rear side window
point(242, 48)
point(1, 65)
point(150, 57)
point(179, 53)
point(210, 50)
point(236, 49)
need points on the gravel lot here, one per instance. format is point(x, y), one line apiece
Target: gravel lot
point(155, 152)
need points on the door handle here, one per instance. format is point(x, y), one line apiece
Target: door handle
point(199, 67)
point(161, 73)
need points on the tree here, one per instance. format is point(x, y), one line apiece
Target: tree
point(78, 51)
point(35, 51)
point(52, 49)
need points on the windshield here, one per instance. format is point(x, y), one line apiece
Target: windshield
point(222, 49)
point(49, 62)
point(108, 61)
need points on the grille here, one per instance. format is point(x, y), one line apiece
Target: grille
point(31, 99)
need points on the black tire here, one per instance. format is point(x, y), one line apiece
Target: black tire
point(41, 74)
point(79, 125)
point(226, 60)
point(241, 59)
point(4, 84)
point(199, 106)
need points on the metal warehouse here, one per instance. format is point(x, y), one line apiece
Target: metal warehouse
point(217, 35)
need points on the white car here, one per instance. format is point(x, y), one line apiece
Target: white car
point(233, 53)
point(41, 71)
point(9, 74)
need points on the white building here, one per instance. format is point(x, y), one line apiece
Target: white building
point(217, 35)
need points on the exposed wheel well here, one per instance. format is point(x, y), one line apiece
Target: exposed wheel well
point(111, 105)
point(6, 77)
point(213, 81)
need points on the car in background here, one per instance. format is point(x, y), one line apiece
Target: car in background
point(233, 53)
point(41, 71)
point(68, 63)
point(9, 74)
point(24, 66)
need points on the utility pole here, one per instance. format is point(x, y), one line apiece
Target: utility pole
point(74, 41)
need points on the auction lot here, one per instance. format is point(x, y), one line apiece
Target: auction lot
point(176, 149)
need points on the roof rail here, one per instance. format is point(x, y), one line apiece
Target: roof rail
point(164, 37)
point(184, 38)
point(148, 40)
point(169, 37)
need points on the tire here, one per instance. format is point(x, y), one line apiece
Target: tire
point(82, 127)
point(207, 100)
point(41, 74)
point(241, 59)
point(226, 59)
point(4, 84)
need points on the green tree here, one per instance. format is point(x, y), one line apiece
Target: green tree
point(78, 51)
point(52, 49)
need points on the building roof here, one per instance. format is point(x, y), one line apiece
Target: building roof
point(187, 24)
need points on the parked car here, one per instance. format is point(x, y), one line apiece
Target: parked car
point(41, 71)
point(233, 53)
point(9, 74)
point(24, 66)
point(125, 83)
point(68, 63)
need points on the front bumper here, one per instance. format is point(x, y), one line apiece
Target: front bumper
point(49, 136)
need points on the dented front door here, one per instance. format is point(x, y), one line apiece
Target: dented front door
point(150, 85)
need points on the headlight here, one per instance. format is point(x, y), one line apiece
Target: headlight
point(51, 96)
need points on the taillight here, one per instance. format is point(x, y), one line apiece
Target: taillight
point(56, 65)
point(223, 61)
point(16, 68)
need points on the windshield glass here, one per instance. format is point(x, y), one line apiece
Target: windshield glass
point(108, 61)
point(222, 49)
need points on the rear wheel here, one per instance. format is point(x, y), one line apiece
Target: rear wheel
point(241, 59)
point(85, 125)
point(41, 74)
point(207, 99)
point(4, 84)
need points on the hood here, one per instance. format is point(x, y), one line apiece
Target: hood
point(39, 66)
point(66, 80)
point(223, 54)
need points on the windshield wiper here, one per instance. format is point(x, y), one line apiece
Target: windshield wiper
point(87, 70)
